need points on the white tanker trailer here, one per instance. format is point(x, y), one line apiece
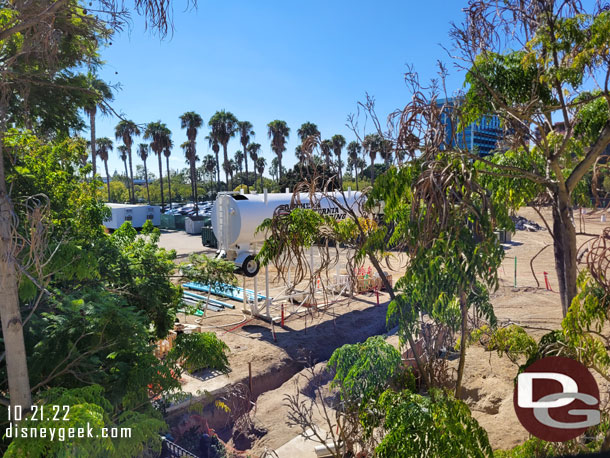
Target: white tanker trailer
point(235, 218)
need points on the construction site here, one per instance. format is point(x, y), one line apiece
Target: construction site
point(275, 332)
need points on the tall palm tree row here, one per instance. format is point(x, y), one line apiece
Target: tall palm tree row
point(126, 130)
point(224, 126)
point(192, 122)
point(278, 132)
point(159, 136)
point(99, 95)
point(104, 146)
point(245, 135)
point(143, 153)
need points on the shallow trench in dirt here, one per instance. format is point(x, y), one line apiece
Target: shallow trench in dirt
point(262, 412)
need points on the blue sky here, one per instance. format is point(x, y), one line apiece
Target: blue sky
point(265, 60)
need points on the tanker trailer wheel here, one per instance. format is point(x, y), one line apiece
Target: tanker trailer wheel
point(250, 266)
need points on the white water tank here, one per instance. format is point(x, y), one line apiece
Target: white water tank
point(235, 218)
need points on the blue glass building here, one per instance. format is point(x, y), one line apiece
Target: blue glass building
point(480, 137)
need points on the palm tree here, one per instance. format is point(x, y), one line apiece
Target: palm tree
point(143, 153)
point(224, 126)
point(123, 156)
point(100, 94)
point(245, 135)
point(167, 152)
point(278, 133)
point(308, 130)
point(159, 135)
point(215, 145)
point(191, 159)
point(125, 130)
point(260, 167)
point(104, 146)
point(385, 150)
point(209, 165)
point(372, 144)
point(338, 142)
point(273, 170)
point(326, 147)
point(253, 150)
point(239, 161)
point(191, 121)
point(353, 153)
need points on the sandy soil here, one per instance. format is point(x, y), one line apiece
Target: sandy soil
point(488, 383)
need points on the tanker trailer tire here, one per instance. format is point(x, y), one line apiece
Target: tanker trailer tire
point(250, 266)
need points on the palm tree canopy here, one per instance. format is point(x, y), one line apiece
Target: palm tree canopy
point(372, 144)
point(167, 149)
point(326, 146)
point(245, 132)
point(104, 146)
point(354, 150)
point(239, 157)
point(209, 163)
point(278, 133)
point(100, 93)
point(125, 130)
point(260, 165)
point(253, 150)
point(143, 151)
point(224, 126)
point(338, 142)
point(307, 129)
point(191, 121)
point(122, 152)
point(159, 135)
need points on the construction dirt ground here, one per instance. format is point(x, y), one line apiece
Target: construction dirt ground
point(270, 359)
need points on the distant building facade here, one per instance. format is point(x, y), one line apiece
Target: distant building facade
point(482, 137)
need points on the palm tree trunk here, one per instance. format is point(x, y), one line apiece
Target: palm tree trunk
point(169, 182)
point(107, 179)
point(194, 183)
point(12, 327)
point(246, 162)
point(161, 179)
point(372, 171)
point(226, 155)
point(93, 145)
point(146, 180)
point(217, 173)
point(133, 189)
point(279, 165)
point(356, 169)
point(127, 177)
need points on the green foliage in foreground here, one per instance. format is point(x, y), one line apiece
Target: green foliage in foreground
point(435, 425)
point(364, 370)
point(88, 407)
point(200, 351)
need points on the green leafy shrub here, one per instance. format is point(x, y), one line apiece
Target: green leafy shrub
point(199, 351)
point(435, 425)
